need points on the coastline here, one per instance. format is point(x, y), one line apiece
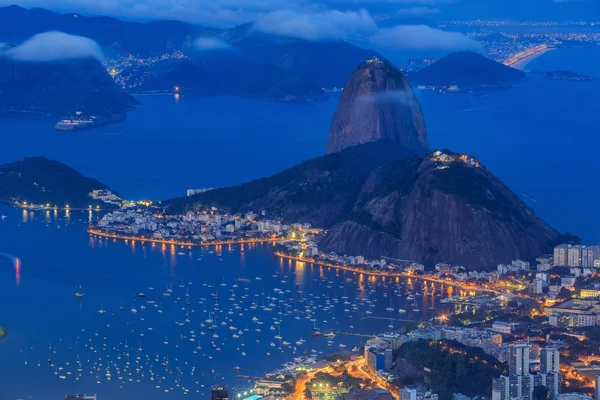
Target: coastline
point(381, 273)
point(523, 62)
point(184, 244)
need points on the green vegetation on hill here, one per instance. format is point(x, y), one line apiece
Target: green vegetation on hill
point(467, 70)
point(39, 180)
point(455, 368)
point(61, 88)
point(333, 181)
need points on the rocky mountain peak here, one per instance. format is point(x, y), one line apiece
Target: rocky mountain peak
point(378, 103)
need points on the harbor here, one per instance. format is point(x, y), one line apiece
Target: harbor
point(160, 319)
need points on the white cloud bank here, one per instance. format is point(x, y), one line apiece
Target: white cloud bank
point(211, 43)
point(50, 46)
point(331, 24)
point(416, 37)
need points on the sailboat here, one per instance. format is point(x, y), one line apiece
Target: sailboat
point(278, 336)
point(79, 292)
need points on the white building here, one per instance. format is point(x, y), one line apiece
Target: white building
point(549, 360)
point(503, 327)
point(590, 256)
point(409, 394)
point(575, 255)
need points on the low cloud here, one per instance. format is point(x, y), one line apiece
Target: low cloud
point(50, 46)
point(211, 43)
point(324, 25)
point(423, 37)
point(389, 97)
point(417, 11)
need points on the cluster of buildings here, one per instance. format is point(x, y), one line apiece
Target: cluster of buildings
point(575, 312)
point(567, 255)
point(417, 392)
point(153, 224)
point(130, 71)
point(484, 339)
point(106, 196)
point(444, 158)
point(379, 353)
point(520, 382)
point(193, 192)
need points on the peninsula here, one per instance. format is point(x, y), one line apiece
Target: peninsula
point(40, 182)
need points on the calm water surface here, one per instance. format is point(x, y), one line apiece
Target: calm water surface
point(540, 138)
point(53, 334)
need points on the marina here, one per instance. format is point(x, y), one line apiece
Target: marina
point(171, 320)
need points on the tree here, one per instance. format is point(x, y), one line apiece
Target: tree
point(540, 393)
point(564, 294)
point(307, 393)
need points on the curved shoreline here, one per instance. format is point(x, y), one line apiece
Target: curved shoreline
point(521, 62)
point(384, 274)
point(184, 244)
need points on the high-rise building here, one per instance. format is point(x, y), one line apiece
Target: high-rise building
point(597, 387)
point(590, 255)
point(388, 358)
point(374, 359)
point(219, 393)
point(549, 360)
point(500, 388)
point(553, 385)
point(574, 255)
point(408, 394)
point(561, 253)
point(519, 359)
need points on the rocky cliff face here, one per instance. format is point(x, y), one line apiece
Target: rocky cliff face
point(440, 212)
point(417, 208)
point(378, 103)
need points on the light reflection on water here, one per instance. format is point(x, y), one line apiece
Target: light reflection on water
point(112, 273)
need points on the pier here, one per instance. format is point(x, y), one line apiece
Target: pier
point(354, 334)
point(389, 319)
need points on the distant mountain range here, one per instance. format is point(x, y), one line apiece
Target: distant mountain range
point(114, 36)
point(385, 194)
point(61, 88)
point(222, 77)
point(467, 70)
point(39, 180)
point(253, 64)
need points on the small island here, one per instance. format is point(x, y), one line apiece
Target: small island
point(567, 76)
point(2, 332)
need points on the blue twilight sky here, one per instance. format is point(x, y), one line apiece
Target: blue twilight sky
point(231, 12)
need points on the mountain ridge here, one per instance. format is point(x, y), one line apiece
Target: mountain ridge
point(61, 88)
point(375, 201)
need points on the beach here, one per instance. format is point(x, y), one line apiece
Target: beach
point(521, 63)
